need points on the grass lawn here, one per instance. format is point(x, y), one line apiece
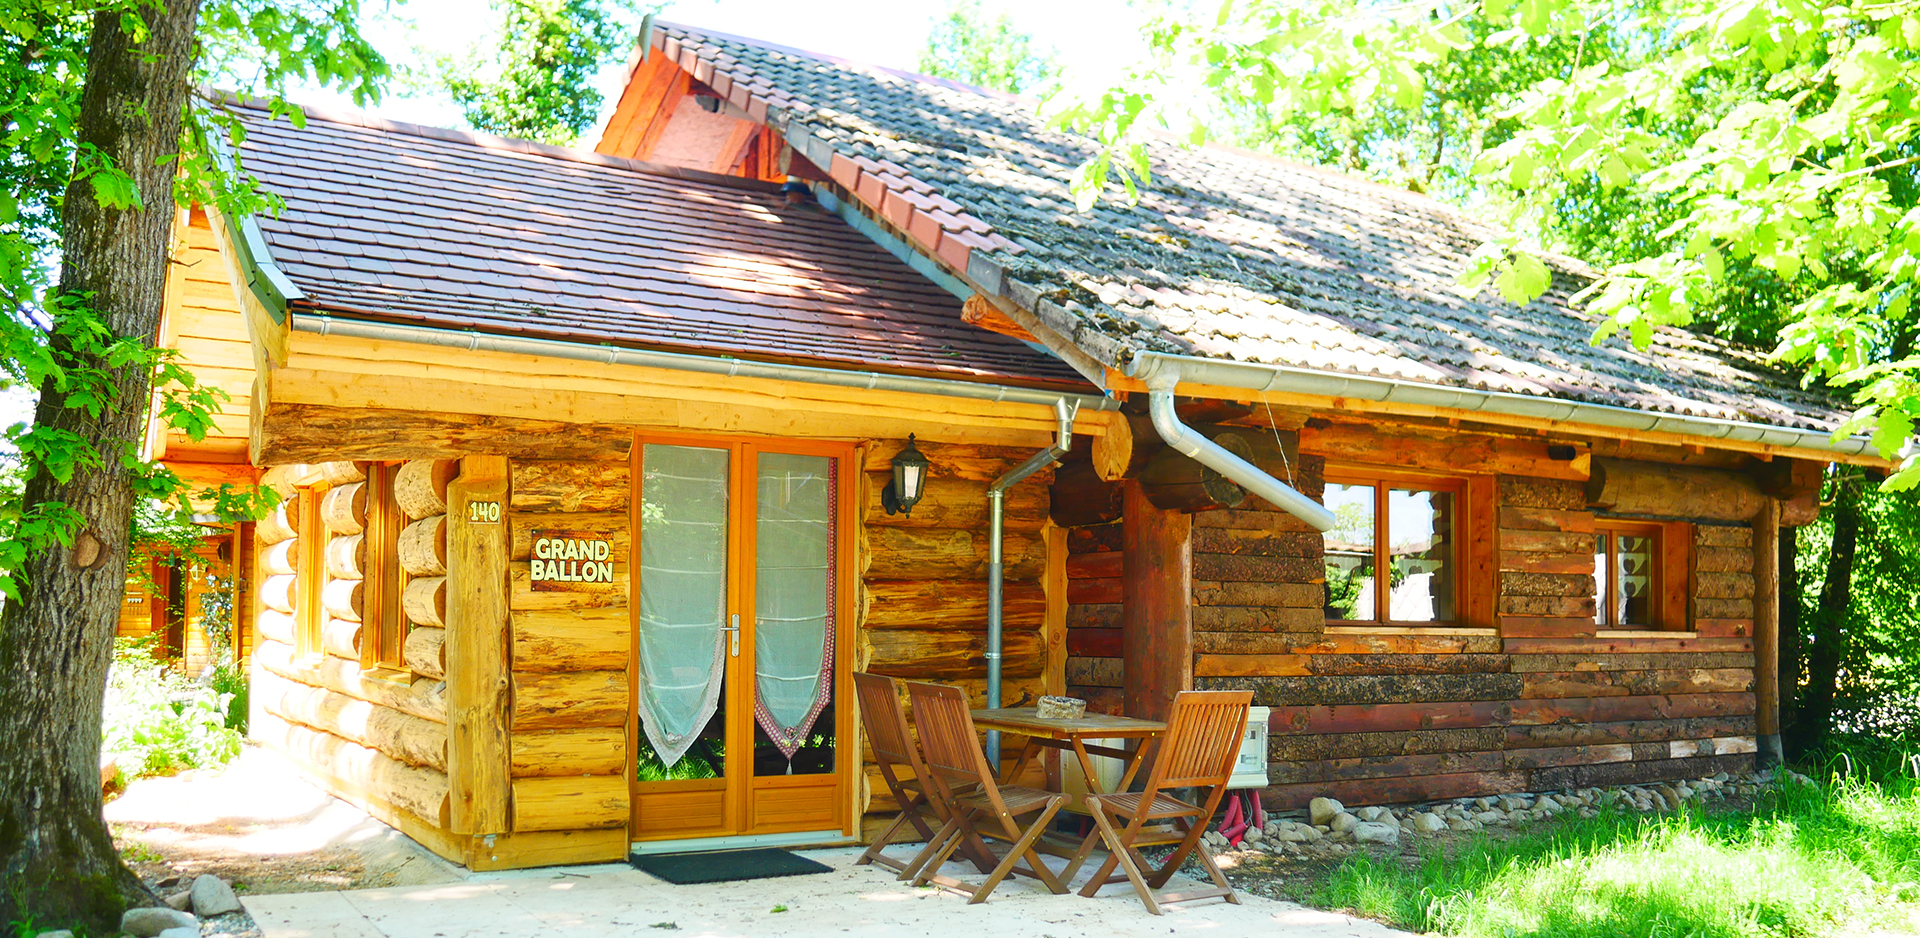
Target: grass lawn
point(1808, 861)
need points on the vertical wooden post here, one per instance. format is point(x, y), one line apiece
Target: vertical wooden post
point(1766, 632)
point(1157, 624)
point(1055, 628)
point(478, 762)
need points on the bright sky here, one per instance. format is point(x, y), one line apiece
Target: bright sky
point(1093, 37)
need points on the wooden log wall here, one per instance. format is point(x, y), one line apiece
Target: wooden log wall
point(369, 735)
point(1096, 670)
point(1540, 700)
point(923, 578)
point(570, 692)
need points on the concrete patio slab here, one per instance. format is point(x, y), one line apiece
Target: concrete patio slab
point(849, 902)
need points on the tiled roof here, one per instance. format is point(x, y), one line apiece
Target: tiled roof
point(456, 230)
point(1227, 255)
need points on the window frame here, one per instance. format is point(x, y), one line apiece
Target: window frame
point(310, 574)
point(1657, 572)
point(384, 626)
point(1383, 481)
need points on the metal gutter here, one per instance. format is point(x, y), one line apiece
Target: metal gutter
point(1190, 442)
point(704, 364)
point(1064, 411)
point(1148, 366)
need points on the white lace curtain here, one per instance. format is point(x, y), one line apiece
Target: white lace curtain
point(683, 593)
point(793, 595)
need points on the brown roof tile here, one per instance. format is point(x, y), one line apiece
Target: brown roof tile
point(408, 224)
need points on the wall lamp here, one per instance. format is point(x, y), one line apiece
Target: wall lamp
point(909, 481)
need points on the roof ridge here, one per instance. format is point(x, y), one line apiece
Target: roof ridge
point(1566, 262)
point(358, 118)
point(663, 25)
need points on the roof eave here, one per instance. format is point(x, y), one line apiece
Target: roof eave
point(1502, 407)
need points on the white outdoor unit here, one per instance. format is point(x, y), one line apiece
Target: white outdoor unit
point(1250, 767)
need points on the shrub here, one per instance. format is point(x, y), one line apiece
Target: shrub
point(157, 722)
point(230, 681)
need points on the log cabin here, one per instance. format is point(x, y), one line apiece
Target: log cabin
point(592, 465)
point(170, 593)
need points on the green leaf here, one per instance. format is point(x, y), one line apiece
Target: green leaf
point(1614, 172)
point(1520, 171)
point(1891, 431)
point(1715, 265)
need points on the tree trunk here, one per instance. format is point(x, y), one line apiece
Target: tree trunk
point(57, 858)
point(1826, 639)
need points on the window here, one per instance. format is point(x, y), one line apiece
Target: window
point(1626, 575)
point(383, 632)
point(1404, 526)
point(309, 572)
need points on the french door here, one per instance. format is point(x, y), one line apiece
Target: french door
point(742, 611)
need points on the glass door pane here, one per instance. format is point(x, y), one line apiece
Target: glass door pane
point(683, 610)
point(794, 604)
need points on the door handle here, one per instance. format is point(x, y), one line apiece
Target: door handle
point(734, 639)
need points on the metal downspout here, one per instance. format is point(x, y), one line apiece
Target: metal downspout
point(1192, 443)
point(1065, 410)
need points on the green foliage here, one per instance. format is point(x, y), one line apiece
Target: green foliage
point(1710, 153)
point(1811, 860)
point(58, 344)
point(969, 47)
point(538, 83)
point(157, 722)
point(707, 759)
point(230, 682)
point(1877, 633)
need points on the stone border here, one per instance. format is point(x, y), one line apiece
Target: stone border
point(1329, 828)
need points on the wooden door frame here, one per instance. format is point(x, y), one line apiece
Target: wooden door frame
point(743, 455)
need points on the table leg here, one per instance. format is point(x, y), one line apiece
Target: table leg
point(1019, 764)
point(1133, 764)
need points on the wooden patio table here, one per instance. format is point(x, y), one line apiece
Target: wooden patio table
point(1071, 735)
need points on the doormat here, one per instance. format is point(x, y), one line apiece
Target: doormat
point(724, 866)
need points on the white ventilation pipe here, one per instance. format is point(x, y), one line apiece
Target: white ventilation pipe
point(1186, 440)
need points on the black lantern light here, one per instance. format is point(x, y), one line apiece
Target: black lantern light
point(909, 481)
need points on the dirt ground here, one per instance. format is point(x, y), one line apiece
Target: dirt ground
point(257, 824)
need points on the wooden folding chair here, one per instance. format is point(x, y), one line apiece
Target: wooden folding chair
point(893, 749)
point(976, 806)
point(1198, 751)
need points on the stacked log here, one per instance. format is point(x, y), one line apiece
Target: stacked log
point(923, 601)
point(368, 736)
point(569, 653)
point(420, 491)
point(1547, 703)
point(1095, 670)
point(277, 548)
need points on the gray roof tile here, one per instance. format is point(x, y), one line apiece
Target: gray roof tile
point(1234, 255)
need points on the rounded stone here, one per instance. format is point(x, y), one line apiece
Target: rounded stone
point(1373, 832)
point(212, 896)
point(1344, 822)
point(1428, 823)
point(1322, 810)
point(150, 922)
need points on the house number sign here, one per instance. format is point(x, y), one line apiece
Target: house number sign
point(572, 561)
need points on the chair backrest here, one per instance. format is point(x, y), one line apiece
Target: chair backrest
point(886, 721)
point(947, 737)
point(1202, 739)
